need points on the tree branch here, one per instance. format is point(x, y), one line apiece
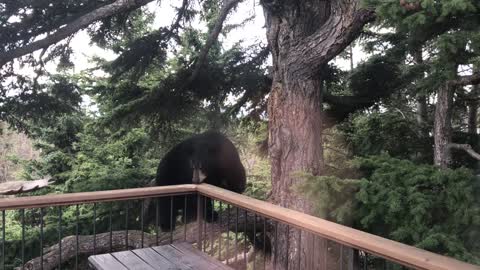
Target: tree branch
point(213, 36)
point(330, 39)
point(467, 148)
point(83, 21)
point(466, 80)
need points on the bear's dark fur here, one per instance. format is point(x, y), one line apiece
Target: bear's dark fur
point(210, 158)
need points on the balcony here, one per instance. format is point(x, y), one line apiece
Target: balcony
point(61, 231)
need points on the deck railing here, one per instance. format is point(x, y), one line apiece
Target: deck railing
point(247, 233)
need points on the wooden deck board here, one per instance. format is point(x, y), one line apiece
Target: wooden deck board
point(181, 256)
point(175, 257)
point(155, 260)
point(131, 260)
point(104, 262)
point(190, 252)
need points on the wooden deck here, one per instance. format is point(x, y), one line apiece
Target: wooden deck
point(175, 256)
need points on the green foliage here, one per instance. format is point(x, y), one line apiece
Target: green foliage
point(389, 132)
point(247, 136)
point(436, 210)
point(419, 205)
point(331, 196)
point(115, 161)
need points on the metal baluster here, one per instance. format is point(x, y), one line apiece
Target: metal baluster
point(212, 251)
point(110, 226)
point(365, 261)
point(200, 221)
point(313, 248)
point(171, 219)
point(41, 238)
point(288, 246)
point(126, 226)
point(60, 237)
point(228, 232)
point(264, 242)
point(299, 248)
point(245, 239)
point(94, 228)
point(3, 239)
point(156, 219)
point(185, 218)
point(341, 257)
point(220, 236)
point(236, 234)
point(205, 223)
point(276, 246)
point(325, 251)
point(142, 210)
point(77, 213)
point(254, 240)
point(22, 213)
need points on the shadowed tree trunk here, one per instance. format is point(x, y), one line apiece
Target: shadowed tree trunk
point(303, 36)
point(473, 107)
point(443, 121)
point(421, 99)
point(472, 114)
point(442, 132)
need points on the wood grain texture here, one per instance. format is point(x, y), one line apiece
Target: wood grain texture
point(131, 261)
point(91, 197)
point(203, 259)
point(105, 262)
point(154, 259)
point(388, 249)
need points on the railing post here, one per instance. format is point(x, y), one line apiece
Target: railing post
point(200, 207)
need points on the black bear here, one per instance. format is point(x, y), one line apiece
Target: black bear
point(210, 158)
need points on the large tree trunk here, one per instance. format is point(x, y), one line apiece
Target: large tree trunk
point(421, 99)
point(443, 119)
point(442, 132)
point(303, 36)
point(473, 107)
point(472, 114)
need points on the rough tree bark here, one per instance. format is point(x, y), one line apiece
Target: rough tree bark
point(303, 36)
point(472, 114)
point(473, 107)
point(442, 132)
point(421, 99)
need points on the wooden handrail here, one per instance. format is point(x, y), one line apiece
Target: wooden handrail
point(388, 249)
point(92, 197)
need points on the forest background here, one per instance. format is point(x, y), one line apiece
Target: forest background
point(400, 104)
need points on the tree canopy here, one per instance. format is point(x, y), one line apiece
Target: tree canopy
point(389, 144)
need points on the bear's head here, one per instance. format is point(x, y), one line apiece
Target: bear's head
point(198, 171)
point(199, 163)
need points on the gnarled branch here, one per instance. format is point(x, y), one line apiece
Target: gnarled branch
point(336, 33)
point(62, 33)
point(466, 80)
point(467, 148)
point(212, 36)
